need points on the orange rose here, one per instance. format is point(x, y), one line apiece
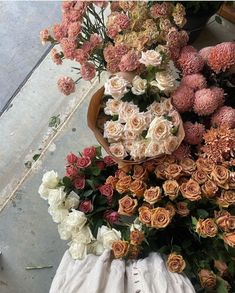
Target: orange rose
point(138, 187)
point(206, 228)
point(119, 174)
point(175, 263)
point(173, 171)
point(221, 267)
point(204, 165)
point(145, 215)
point(182, 209)
point(220, 175)
point(127, 206)
point(209, 188)
point(171, 188)
point(152, 195)
point(170, 207)
point(120, 248)
point(225, 221)
point(160, 171)
point(160, 218)
point(126, 168)
point(136, 237)
point(229, 238)
point(188, 166)
point(191, 190)
point(123, 184)
point(139, 172)
point(207, 279)
point(169, 159)
point(199, 176)
point(226, 198)
point(111, 180)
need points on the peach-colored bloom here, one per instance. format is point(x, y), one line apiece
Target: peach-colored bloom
point(120, 248)
point(175, 263)
point(136, 237)
point(206, 228)
point(171, 188)
point(160, 218)
point(138, 187)
point(191, 190)
point(173, 171)
point(229, 238)
point(66, 85)
point(207, 279)
point(127, 205)
point(182, 209)
point(145, 215)
point(152, 195)
point(123, 184)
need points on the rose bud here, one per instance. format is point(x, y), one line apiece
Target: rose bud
point(107, 191)
point(138, 187)
point(145, 215)
point(170, 207)
point(120, 248)
point(79, 183)
point(100, 165)
point(89, 152)
point(229, 238)
point(71, 158)
point(160, 171)
point(134, 252)
point(127, 206)
point(136, 237)
point(111, 216)
point(206, 228)
point(182, 209)
point(221, 267)
point(71, 172)
point(161, 218)
point(123, 184)
point(152, 195)
point(207, 279)
point(86, 206)
point(83, 162)
point(109, 161)
point(175, 263)
point(188, 166)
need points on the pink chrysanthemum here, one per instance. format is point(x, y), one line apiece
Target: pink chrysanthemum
point(183, 98)
point(205, 53)
point(188, 49)
point(68, 46)
point(193, 132)
point(182, 152)
point(196, 81)
point(205, 102)
point(66, 85)
point(190, 63)
point(129, 62)
point(88, 71)
point(176, 38)
point(56, 57)
point(59, 32)
point(74, 29)
point(222, 57)
point(219, 95)
point(224, 116)
point(160, 10)
point(81, 56)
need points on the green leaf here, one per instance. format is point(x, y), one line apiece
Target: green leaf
point(90, 182)
point(67, 182)
point(222, 286)
point(194, 221)
point(28, 164)
point(95, 171)
point(98, 151)
point(36, 156)
point(202, 213)
point(231, 268)
point(176, 248)
point(54, 121)
point(218, 19)
point(115, 117)
point(88, 192)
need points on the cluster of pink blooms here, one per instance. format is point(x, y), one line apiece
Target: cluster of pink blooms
point(117, 22)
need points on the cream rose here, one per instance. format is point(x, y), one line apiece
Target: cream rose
point(107, 236)
point(157, 109)
point(96, 248)
point(159, 129)
point(43, 191)
point(139, 86)
point(84, 235)
point(71, 202)
point(171, 144)
point(75, 219)
point(126, 110)
point(138, 149)
point(129, 135)
point(112, 107)
point(58, 214)
point(154, 148)
point(118, 150)
point(113, 130)
point(164, 81)
point(116, 87)
point(78, 250)
point(64, 232)
point(168, 107)
point(151, 57)
point(50, 179)
point(136, 123)
point(56, 197)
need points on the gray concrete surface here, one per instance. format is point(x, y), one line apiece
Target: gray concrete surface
point(20, 47)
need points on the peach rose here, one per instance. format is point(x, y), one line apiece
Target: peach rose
point(199, 176)
point(157, 108)
point(150, 166)
point(191, 190)
point(111, 180)
point(136, 237)
point(120, 248)
point(226, 198)
point(138, 149)
point(175, 118)
point(152, 195)
point(206, 228)
point(123, 184)
point(175, 263)
point(173, 171)
point(204, 164)
point(171, 208)
point(160, 171)
point(125, 168)
point(139, 172)
point(160, 218)
point(112, 107)
point(220, 175)
point(113, 130)
point(207, 279)
point(188, 166)
point(138, 187)
point(169, 160)
point(145, 215)
point(229, 238)
point(182, 209)
point(136, 123)
point(225, 221)
point(154, 149)
point(126, 110)
point(171, 144)
point(171, 188)
point(118, 150)
point(209, 188)
point(221, 267)
point(127, 206)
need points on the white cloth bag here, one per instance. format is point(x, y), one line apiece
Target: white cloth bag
point(101, 274)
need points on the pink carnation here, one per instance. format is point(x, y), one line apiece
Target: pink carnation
point(81, 7)
point(74, 29)
point(59, 32)
point(205, 52)
point(68, 46)
point(196, 81)
point(88, 71)
point(219, 94)
point(101, 4)
point(188, 49)
point(81, 56)
point(190, 63)
point(112, 32)
point(160, 10)
point(66, 85)
point(182, 152)
point(113, 66)
point(56, 57)
point(222, 57)
point(129, 62)
point(224, 115)
point(87, 47)
point(115, 53)
point(183, 98)
point(95, 40)
point(67, 5)
point(205, 102)
point(176, 38)
point(122, 21)
point(75, 15)
point(193, 132)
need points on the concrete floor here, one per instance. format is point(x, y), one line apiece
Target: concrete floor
point(28, 237)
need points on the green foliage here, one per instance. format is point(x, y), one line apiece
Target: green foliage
point(54, 121)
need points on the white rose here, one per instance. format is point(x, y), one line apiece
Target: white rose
point(64, 231)
point(157, 109)
point(58, 214)
point(171, 144)
point(75, 219)
point(139, 85)
point(126, 110)
point(164, 81)
point(148, 118)
point(116, 87)
point(128, 144)
point(129, 135)
point(113, 130)
point(56, 197)
point(159, 129)
point(78, 250)
point(136, 123)
point(138, 149)
point(154, 149)
point(96, 248)
point(71, 202)
point(175, 118)
point(50, 179)
point(107, 236)
point(84, 235)
point(167, 106)
point(112, 107)
point(118, 150)
point(151, 57)
point(43, 191)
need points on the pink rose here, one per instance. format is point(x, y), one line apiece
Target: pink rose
point(107, 191)
point(80, 182)
point(109, 161)
point(111, 216)
point(100, 165)
point(88, 71)
point(71, 158)
point(86, 206)
point(89, 152)
point(71, 171)
point(83, 162)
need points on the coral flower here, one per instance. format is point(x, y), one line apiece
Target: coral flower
point(190, 63)
point(205, 102)
point(196, 81)
point(224, 115)
point(66, 85)
point(193, 132)
point(183, 98)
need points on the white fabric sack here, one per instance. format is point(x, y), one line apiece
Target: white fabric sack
point(101, 274)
